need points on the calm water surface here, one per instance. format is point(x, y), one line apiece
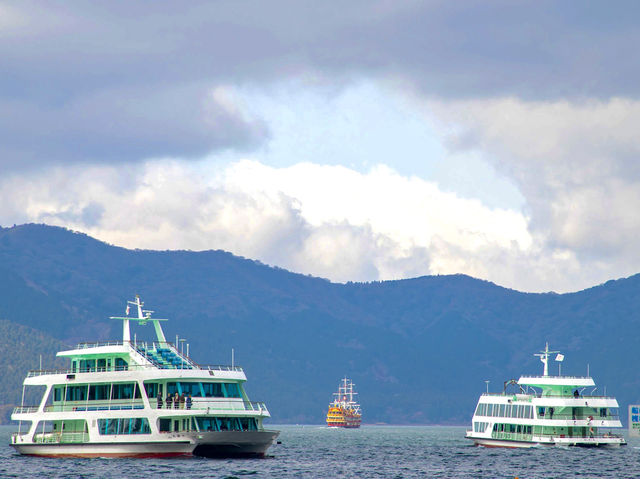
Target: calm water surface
point(372, 451)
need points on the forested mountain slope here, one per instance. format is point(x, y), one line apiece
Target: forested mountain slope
point(418, 350)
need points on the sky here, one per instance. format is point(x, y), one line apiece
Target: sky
point(355, 141)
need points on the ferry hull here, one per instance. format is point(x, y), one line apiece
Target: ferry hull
point(234, 443)
point(139, 450)
point(564, 442)
point(509, 444)
point(212, 444)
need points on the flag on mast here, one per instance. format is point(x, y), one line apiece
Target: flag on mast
point(127, 310)
point(560, 357)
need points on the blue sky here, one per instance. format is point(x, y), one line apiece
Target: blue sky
point(367, 124)
point(361, 141)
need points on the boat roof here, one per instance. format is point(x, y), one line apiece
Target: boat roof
point(139, 356)
point(546, 381)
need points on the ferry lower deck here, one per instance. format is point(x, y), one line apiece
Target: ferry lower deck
point(207, 444)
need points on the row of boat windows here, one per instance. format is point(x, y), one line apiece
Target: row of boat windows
point(480, 426)
point(522, 411)
point(106, 392)
point(205, 424)
point(88, 365)
point(124, 425)
point(96, 392)
point(195, 389)
point(140, 425)
point(512, 428)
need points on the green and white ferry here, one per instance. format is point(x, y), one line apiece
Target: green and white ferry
point(136, 399)
point(547, 411)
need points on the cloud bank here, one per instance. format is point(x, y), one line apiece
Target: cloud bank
point(546, 94)
point(323, 220)
point(128, 81)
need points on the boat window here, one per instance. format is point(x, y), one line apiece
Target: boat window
point(126, 425)
point(502, 408)
point(232, 390)
point(229, 424)
point(508, 410)
point(212, 390)
point(207, 424)
point(125, 391)
point(99, 392)
point(480, 426)
point(152, 389)
point(87, 365)
point(102, 364)
point(165, 425)
point(226, 424)
point(248, 424)
point(121, 365)
point(191, 388)
point(76, 393)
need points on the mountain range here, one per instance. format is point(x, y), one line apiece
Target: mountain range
point(418, 350)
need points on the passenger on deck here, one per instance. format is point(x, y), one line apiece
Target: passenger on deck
point(182, 400)
point(169, 399)
point(189, 401)
point(176, 401)
point(159, 401)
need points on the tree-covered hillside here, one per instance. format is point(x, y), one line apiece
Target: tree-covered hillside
point(418, 350)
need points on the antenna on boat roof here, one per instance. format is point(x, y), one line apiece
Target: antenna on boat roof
point(544, 357)
point(144, 316)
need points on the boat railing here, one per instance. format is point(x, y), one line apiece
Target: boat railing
point(219, 367)
point(130, 367)
point(116, 405)
point(198, 404)
point(530, 376)
point(210, 404)
point(58, 437)
point(578, 417)
point(598, 435)
point(25, 409)
point(144, 348)
point(98, 344)
point(531, 394)
point(17, 437)
point(516, 436)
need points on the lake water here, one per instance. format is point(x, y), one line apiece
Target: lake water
point(371, 451)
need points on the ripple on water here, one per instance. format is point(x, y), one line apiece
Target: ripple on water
point(375, 452)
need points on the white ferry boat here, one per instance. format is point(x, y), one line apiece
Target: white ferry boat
point(547, 410)
point(136, 399)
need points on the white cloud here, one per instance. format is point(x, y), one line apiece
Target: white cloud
point(323, 220)
point(577, 164)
